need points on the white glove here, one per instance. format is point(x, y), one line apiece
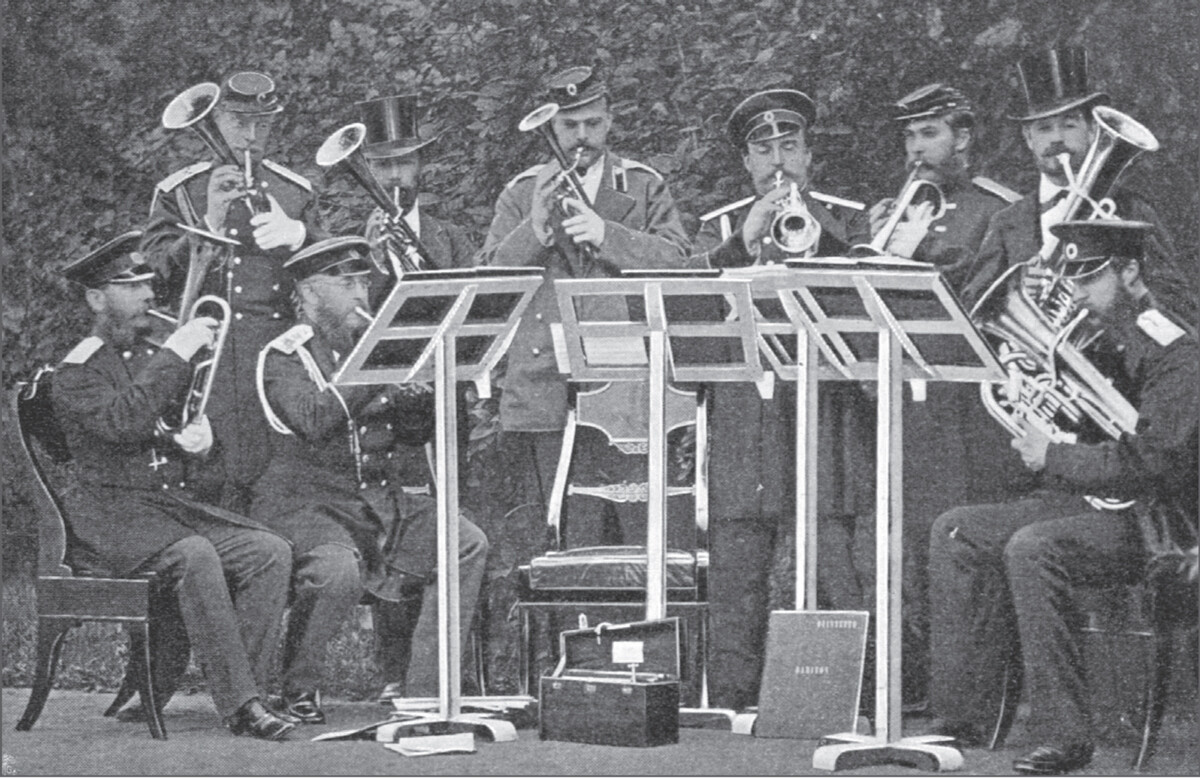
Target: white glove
point(196, 438)
point(911, 230)
point(275, 228)
point(195, 335)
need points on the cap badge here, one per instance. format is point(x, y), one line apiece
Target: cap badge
point(572, 89)
point(1071, 251)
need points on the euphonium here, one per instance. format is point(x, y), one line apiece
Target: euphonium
point(403, 246)
point(794, 230)
point(204, 371)
point(539, 119)
point(914, 190)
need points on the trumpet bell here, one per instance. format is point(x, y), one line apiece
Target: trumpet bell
point(193, 108)
point(538, 117)
point(341, 144)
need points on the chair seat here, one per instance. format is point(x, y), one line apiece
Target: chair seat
point(611, 568)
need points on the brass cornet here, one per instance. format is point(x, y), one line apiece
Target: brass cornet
point(794, 230)
point(539, 119)
point(344, 146)
point(204, 371)
point(915, 190)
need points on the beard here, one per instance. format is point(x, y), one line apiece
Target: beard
point(339, 330)
point(123, 331)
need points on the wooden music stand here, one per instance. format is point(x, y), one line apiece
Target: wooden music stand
point(661, 346)
point(889, 323)
point(446, 326)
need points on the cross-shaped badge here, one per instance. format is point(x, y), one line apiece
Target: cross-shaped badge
point(155, 460)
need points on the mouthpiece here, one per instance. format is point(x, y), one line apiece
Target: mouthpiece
point(364, 314)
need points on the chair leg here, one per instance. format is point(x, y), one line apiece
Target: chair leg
point(51, 632)
point(1010, 695)
point(523, 651)
point(1155, 697)
point(139, 647)
point(129, 686)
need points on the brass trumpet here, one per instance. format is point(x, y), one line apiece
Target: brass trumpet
point(794, 230)
point(915, 190)
point(539, 119)
point(204, 371)
point(403, 246)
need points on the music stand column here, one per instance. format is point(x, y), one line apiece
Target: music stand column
point(449, 640)
point(656, 525)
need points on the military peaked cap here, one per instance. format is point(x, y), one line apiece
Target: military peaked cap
point(116, 262)
point(574, 87)
point(250, 92)
point(773, 113)
point(343, 255)
point(1089, 246)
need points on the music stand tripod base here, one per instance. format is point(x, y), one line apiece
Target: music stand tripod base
point(846, 751)
point(433, 724)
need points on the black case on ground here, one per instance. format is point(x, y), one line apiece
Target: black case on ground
point(590, 700)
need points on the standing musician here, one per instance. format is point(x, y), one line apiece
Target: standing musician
point(392, 149)
point(332, 489)
point(224, 577)
point(1001, 574)
point(629, 221)
point(213, 197)
point(752, 440)
point(951, 444)
point(1058, 119)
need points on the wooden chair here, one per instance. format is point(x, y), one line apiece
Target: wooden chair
point(67, 593)
point(1161, 612)
point(566, 583)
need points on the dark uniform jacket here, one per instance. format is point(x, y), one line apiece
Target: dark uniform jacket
point(251, 280)
point(642, 230)
point(135, 498)
point(333, 476)
point(1158, 465)
point(752, 440)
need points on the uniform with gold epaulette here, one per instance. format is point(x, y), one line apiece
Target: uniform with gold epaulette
point(250, 279)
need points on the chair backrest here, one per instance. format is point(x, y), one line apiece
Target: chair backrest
point(619, 411)
point(39, 438)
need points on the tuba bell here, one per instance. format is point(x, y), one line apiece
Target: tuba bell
point(794, 230)
point(344, 147)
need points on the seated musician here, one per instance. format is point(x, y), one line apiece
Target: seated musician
point(331, 486)
point(1001, 574)
point(136, 514)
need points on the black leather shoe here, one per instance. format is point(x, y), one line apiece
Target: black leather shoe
point(391, 691)
point(305, 707)
point(1047, 761)
point(254, 719)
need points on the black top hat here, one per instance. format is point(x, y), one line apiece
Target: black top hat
point(116, 262)
point(250, 92)
point(929, 101)
point(343, 255)
point(392, 129)
point(773, 113)
point(1056, 80)
point(575, 87)
point(1090, 245)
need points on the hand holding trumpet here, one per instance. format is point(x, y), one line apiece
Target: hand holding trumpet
point(196, 438)
point(196, 334)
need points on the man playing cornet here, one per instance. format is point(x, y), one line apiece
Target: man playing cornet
point(266, 212)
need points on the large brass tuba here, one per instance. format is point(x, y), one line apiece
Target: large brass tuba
point(344, 147)
point(204, 370)
point(1038, 334)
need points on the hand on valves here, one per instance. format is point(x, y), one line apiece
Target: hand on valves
point(275, 228)
point(196, 438)
point(1032, 445)
point(196, 334)
point(762, 214)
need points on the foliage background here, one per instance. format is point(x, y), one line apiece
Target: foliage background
point(84, 82)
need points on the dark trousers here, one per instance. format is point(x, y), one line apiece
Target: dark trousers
point(325, 590)
point(1001, 578)
point(230, 587)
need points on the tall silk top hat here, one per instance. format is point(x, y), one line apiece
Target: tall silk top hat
point(1056, 80)
point(116, 262)
point(392, 129)
point(250, 92)
point(575, 87)
point(773, 113)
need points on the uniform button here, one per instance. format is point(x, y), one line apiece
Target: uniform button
point(362, 485)
point(366, 457)
point(536, 351)
point(383, 482)
point(127, 355)
point(229, 274)
point(237, 315)
point(182, 484)
point(389, 455)
point(939, 228)
point(166, 486)
point(149, 351)
point(389, 425)
point(538, 316)
point(275, 287)
point(274, 314)
point(264, 184)
point(362, 430)
point(238, 289)
point(233, 231)
point(237, 260)
point(383, 400)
